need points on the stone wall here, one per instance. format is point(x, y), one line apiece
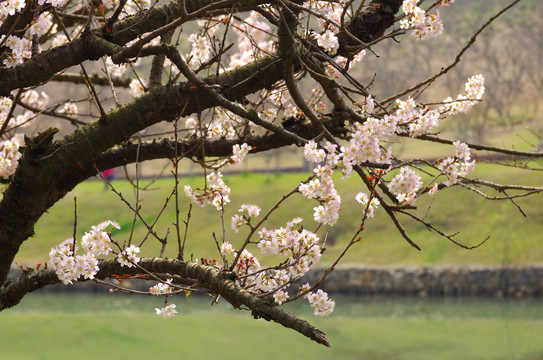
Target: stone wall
point(465, 280)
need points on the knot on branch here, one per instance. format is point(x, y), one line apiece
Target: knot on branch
point(367, 26)
point(42, 142)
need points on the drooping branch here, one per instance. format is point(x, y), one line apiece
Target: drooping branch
point(215, 281)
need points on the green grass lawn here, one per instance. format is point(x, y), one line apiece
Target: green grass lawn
point(119, 327)
point(513, 238)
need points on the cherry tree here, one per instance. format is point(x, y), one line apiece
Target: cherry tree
point(230, 79)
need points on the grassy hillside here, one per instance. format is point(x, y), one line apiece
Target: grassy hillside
point(513, 238)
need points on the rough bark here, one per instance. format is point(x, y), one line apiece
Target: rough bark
point(49, 169)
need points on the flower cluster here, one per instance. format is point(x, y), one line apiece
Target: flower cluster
point(414, 120)
point(298, 246)
point(417, 19)
point(320, 302)
point(464, 102)
point(137, 87)
point(10, 155)
point(167, 311)
point(70, 109)
point(43, 24)
point(369, 205)
point(10, 7)
point(216, 193)
point(128, 257)
point(201, 50)
point(35, 99)
point(457, 166)
point(97, 241)
point(405, 185)
point(239, 220)
point(69, 267)
point(246, 265)
point(328, 41)
point(252, 40)
point(31, 98)
point(364, 144)
point(161, 288)
point(116, 70)
point(227, 249)
point(239, 152)
point(20, 50)
point(322, 188)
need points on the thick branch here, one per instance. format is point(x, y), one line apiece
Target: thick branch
point(216, 281)
point(57, 166)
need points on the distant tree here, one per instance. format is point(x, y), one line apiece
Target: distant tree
point(259, 75)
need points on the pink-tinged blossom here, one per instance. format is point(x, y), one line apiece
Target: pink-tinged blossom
point(462, 150)
point(456, 167)
point(161, 288)
point(96, 242)
point(227, 249)
point(35, 99)
point(128, 257)
point(433, 190)
point(59, 40)
point(264, 283)
point(280, 297)
point(116, 70)
point(20, 50)
point(107, 225)
point(137, 87)
point(43, 24)
point(409, 6)
point(464, 102)
point(10, 155)
point(201, 50)
point(167, 311)
point(443, 3)
point(251, 210)
point(252, 44)
point(475, 87)
point(247, 264)
point(217, 193)
point(323, 188)
point(328, 41)
point(70, 268)
point(434, 24)
point(423, 25)
point(70, 109)
point(192, 125)
point(237, 222)
point(239, 152)
point(14, 6)
point(290, 111)
point(405, 185)
point(368, 104)
point(424, 122)
point(312, 153)
point(418, 17)
point(369, 205)
point(320, 302)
